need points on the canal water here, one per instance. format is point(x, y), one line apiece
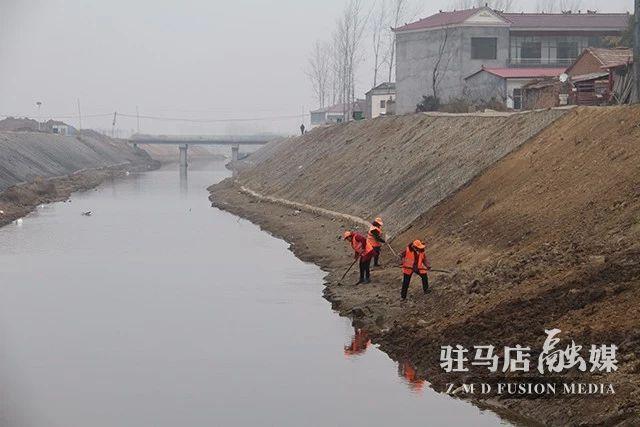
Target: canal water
point(158, 310)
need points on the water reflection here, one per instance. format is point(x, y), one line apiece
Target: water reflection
point(184, 180)
point(408, 372)
point(359, 344)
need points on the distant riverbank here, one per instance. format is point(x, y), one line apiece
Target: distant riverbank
point(37, 167)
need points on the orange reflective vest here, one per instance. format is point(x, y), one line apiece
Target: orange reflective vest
point(361, 245)
point(414, 261)
point(371, 238)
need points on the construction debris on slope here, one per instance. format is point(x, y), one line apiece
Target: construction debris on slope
point(547, 237)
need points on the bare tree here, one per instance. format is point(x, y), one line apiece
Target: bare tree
point(319, 72)
point(347, 39)
point(441, 64)
point(378, 30)
point(399, 12)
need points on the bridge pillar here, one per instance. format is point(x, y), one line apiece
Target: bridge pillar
point(235, 149)
point(183, 155)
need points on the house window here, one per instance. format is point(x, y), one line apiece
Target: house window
point(383, 104)
point(484, 48)
point(531, 51)
point(567, 50)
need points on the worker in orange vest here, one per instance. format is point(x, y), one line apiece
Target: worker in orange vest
point(363, 251)
point(375, 238)
point(414, 260)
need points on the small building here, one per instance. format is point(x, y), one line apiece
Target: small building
point(590, 89)
point(379, 99)
point(504, 84)
point(600, 76)
point(594, 60)
point(60, 129)
point(338, 113)
point(545, 93)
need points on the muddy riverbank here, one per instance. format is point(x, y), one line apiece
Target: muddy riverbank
point(19, 200)
point(38, 168)
point(547, 237)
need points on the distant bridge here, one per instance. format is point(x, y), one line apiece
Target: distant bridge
point(183, 142)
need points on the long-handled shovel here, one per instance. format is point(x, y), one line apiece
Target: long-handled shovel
point(392, 251)
point(434, 270)
point(346, 272)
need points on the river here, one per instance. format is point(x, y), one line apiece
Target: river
point(158, 310)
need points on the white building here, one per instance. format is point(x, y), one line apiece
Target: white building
point(336, 113)
point(60, 129)
point(380, 100)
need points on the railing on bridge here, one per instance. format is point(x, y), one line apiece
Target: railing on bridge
point(183, 142)
point(204, 139)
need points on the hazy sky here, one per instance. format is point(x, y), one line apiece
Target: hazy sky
point(204, 59)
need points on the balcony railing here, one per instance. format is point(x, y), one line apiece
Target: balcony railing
point(540, 62)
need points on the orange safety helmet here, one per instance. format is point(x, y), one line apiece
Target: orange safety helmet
point(418, 244)
point(379, 221)
point(347, 234)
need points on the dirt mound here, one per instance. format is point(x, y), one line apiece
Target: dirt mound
point(549, 237)
point(395, 166)
point(25, 156)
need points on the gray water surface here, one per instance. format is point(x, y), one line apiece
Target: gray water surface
point(159, 310)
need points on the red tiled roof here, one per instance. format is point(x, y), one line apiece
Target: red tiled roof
point(522, 73)
point(441, 19)
point(568, 21)
point(521, 21)
point(612, 57)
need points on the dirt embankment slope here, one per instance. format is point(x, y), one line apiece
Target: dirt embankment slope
point(396, 166)
point(547, 237)
point(39, 168)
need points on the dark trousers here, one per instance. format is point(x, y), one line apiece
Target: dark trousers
point(365, 269)
point(406, 279)
point(376, 255)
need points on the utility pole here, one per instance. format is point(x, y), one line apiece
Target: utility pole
point(138, 119)
point(39, 104)
point(636, 50)
point(79, 116)
point(113, 125)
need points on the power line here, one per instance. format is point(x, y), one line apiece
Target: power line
point(176, 119)
point(59, 116)
point(166, 119)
